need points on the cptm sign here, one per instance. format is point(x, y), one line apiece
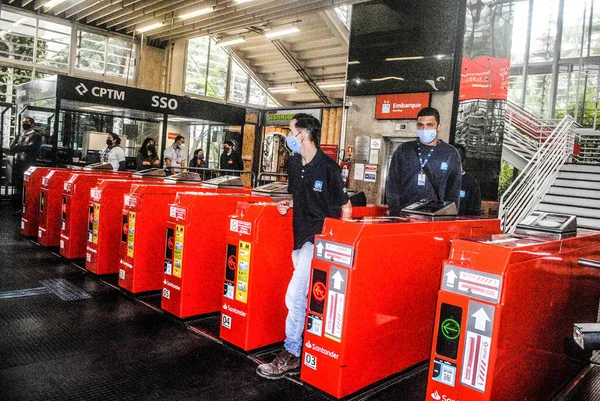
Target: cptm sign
point(101, 92)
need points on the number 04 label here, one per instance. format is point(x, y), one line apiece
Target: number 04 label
point(226, 321)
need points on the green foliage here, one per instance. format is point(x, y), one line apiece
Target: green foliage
point(506, 177)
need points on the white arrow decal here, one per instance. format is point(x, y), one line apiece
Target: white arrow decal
point(450, 277)
point(337, 280)
point(320, 249)
point(481, 318)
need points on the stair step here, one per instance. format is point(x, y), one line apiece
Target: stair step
point(572, 210)
point(579, 175)
point(577, 184)
point(586, 168)
point(572, 201)
point(575, 191)
point(590, 224)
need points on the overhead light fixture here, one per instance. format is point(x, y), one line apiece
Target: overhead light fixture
point(231, 41)
point(281, 32)
point(19, 22)
point(353, 62)
point(197, 13)
point(284, 89)
point(242, 1)
point(52, 3)
point(387, 79)
point(102, 109)
point(149, 27)
point(404, 58)
point(336, 85)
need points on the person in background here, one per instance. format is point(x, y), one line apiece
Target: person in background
point(427, 168)
point(470, 194)
point(25, 148)
point(175, 155)
point(147, 156)
point(230, 159)
point(315, 182)
point(113, 153)
point(198, 159)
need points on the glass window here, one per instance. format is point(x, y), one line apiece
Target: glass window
point(537, 93)
point(515, 85)
point(217, 72)
point(572, 28)
point(344, 13)
point(257, 95)
point(53, 44)
point(120, 58)
point(519, 35)
point(91, 50)
point(543, 30)
point(238, 84)
point(17, 37)
point(595, 35)
point(271, 102)
point(197, 65)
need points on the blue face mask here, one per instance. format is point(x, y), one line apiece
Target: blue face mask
point(293, 144)
point(201, 157)
point(426, 135)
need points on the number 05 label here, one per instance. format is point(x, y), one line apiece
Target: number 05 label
point(310, 361)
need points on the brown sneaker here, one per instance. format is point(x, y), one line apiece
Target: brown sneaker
point(284, 363)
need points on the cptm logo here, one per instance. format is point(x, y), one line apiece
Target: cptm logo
point(436, 396)
point(81, 89)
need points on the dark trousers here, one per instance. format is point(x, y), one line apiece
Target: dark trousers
point(18, 171)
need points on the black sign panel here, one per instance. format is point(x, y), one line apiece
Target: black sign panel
point(318, 291)
point(231, 262)
point(449, 331)
point(63, 214)
point(169, 244)
point(125, 227)
point(85, 90)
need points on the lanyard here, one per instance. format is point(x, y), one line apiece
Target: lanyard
point(421, 162)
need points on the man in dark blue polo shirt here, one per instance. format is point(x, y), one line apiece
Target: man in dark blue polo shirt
point(427, 168)
point(318, 191)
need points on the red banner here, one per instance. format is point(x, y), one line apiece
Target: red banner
point(331, 151)
point(484, 78)
point(404, 106)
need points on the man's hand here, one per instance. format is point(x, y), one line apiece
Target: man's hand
point(284, 205)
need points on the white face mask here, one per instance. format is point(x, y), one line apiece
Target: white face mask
point(426, 135)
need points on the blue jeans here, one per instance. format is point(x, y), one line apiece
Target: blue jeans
point(296, 298)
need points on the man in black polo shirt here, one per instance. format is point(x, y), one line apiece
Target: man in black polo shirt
point(315, 182)
point(427, 168)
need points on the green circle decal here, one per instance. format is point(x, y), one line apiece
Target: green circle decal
point(450, 329)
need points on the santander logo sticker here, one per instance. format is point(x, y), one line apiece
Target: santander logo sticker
point(436, 396)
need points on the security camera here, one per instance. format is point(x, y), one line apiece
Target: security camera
point(348, 105)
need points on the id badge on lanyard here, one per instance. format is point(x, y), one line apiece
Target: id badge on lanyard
point(421, 178)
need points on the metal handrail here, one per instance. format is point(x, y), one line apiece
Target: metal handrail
point(519, 143)
point(209, 173)
point(527, 191)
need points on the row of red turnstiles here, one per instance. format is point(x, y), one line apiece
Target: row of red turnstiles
point(493, 312)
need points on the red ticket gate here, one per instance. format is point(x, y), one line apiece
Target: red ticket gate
point(32, 187)
point(253, 301)
point(74, 214)
point(193, 259)
point(103, 224)
point(50, 206)
point(505, 315)
point(372, 297)
point(144, 220)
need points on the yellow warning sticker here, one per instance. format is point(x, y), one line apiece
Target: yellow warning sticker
point(96, 223)
point(178, 254)
point(243, 271)
point(130, 234)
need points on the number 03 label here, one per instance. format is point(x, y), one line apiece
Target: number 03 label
point(310, 361)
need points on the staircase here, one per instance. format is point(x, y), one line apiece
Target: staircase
point(576, 191)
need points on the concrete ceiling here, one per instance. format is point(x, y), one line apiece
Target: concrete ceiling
point(312, 57)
